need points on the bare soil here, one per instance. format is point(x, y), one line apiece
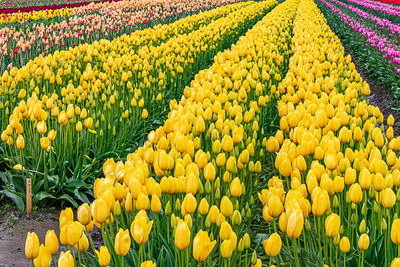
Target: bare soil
point(380, 94)
point(14, 226)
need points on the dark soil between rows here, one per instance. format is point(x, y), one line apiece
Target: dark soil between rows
point(14, 226)
point(380, 94)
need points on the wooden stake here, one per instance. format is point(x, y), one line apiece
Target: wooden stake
point(29, 196)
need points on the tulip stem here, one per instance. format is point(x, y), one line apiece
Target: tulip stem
point(296, 260)
point(73, 252)
point(54, 259)
point(344, 260)
point(319, 241)
point(187, 257)
point(388, 239)
point(90, 239)
point(122, 261)
point(32, 263)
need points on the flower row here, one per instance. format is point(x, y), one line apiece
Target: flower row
point(187, 195)
point(335, 192)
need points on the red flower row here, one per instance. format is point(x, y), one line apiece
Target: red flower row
point(53, 7)
point(396, 2)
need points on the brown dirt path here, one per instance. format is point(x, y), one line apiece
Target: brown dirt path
point(14, 226)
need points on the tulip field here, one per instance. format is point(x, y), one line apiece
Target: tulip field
point(203, 133)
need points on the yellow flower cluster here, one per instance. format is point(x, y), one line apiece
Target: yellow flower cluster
point(110, 86)
point(193, 174)
point(35, 15)
point(331, 150)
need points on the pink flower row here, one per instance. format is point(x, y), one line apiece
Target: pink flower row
point(384, 23)
point(388, 50)
point(378, 6)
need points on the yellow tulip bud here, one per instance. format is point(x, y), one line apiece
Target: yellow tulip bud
point(213, 214)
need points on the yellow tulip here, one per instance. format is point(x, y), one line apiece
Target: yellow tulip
point(142, 202)
point(31, 246)
point(182, 235)
point(235, 188)
point(140, 229)
point(20, 142)
point(145, 114)
point(225, 230)
point(395, 232)
point(209, 172)
point(226, 206)
point(202, 246)
point(51, 242)
point(226, 249)
point(147, 264)
point(190, 203)
point(44, 257)
point(203, 207)
point(84, 214)
point(100, 210)
point(74, 233)
point(355, 193)
point(295, 224)
point(363, 242)
point(344, 244)
point(122, 242)
point(83, 244)
point(213, 214)
point(44, 143)
point(66, 260)
point(275, 206)
point(332, 225)
point(388, 198)
point(103, 256)
point(273, 245)
point(155, 204)
point(395, 262)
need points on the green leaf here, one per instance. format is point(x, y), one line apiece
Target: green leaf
point(69, 199)
point(19, 201)
point(40, 196)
